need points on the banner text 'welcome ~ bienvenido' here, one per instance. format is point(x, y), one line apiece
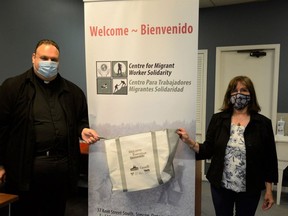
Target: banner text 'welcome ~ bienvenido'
point(145, 29)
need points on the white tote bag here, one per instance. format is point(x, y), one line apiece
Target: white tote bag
point(141, 161)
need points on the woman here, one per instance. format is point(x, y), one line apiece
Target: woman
point(241, 144)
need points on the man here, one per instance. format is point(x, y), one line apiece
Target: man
point(42, 117)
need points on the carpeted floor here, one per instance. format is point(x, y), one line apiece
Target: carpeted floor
point(78, 204)
point(276, 210)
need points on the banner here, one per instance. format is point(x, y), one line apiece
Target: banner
point(141, 68)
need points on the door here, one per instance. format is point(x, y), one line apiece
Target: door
point(260, 63)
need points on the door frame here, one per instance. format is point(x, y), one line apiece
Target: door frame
point(200, 123)
point(276, 48)
point(201, 103)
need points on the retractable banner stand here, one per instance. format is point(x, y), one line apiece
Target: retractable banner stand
point(141, 68)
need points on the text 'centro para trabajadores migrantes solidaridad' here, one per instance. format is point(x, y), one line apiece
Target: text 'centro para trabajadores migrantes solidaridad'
point(158, 85)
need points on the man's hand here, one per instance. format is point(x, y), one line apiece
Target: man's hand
point(2, 175)
point(90, 136)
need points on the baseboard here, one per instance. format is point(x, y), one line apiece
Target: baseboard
point(284, 189)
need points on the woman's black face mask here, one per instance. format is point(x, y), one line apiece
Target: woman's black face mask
point(240, 101)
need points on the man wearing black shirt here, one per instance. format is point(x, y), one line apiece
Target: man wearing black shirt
point(42, 117)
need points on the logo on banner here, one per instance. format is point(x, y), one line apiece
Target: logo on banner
point(112, 77)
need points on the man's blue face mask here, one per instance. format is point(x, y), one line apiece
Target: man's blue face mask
point(240, 101)
point(48, 69)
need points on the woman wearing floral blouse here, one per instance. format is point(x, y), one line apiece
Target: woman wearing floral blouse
point(240, 143)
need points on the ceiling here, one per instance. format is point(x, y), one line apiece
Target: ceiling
point(215, 3)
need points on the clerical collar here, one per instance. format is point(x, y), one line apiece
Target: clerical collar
point(45, 81)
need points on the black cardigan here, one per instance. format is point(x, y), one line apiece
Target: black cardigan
point(261, 156)
point(16, 127)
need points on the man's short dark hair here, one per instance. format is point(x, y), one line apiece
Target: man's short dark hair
point(48, 42)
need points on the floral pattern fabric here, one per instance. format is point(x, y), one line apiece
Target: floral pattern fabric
point(234, 173)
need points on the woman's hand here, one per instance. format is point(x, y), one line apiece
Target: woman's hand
point(186, 139)
point(183, 134)
point(268, 198)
